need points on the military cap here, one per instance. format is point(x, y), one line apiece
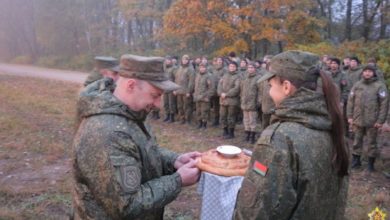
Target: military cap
point(146, 68)
point(370, 67)
point(115, 68)
point(293, 65)
point(103, 62)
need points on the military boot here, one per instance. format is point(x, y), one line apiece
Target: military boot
point(371, 161)
point(167, 118)
point(230, 133)
point(253, 137)
point(204, 124)
point(356, 163)
point(200, 124)
point(225, 133)
point(172, 118)
point(216, 122)
point(247, 137)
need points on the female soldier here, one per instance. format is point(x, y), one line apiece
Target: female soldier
point(299, 165)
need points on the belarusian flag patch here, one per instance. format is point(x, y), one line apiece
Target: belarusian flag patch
point(260, 168)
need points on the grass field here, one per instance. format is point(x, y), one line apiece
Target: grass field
point(36, 131)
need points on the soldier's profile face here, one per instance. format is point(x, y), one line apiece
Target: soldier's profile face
point(148, 97)
point(277, 90)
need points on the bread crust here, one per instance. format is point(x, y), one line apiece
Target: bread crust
point(213, 162)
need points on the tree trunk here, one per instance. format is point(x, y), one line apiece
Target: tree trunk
point(348, 24)
point(383, 24)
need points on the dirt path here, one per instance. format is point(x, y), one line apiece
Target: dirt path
point(33, 71)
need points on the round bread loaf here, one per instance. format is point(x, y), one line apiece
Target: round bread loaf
point(213, 162)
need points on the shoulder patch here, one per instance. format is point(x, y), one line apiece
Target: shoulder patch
point(130, 178)
point(382, 94)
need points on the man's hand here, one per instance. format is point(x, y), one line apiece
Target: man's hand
point(189, 173)
point(188, 95)
point(350, 121)
point(223, 95)
point(185, 158)
point(174, 93)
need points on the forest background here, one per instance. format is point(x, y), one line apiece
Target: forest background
point(68, 34)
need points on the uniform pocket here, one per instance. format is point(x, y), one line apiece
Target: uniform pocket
point(127, 173)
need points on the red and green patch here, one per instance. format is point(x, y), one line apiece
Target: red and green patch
point(260, 168)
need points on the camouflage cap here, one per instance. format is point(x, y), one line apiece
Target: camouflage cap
point(292, 65)
point(103, 62)
point(146, 68)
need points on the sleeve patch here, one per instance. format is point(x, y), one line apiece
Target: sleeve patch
point(130, 178)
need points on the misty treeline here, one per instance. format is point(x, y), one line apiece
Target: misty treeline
point(43, 30)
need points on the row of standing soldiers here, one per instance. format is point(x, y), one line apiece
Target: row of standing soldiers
point(229, 92)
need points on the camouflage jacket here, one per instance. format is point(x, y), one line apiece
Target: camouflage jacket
point(249, 91)
point(119, 170)
point(92, 77)
point(185, 78)
point(204, 87)
point(300, 182)
point(171, 72)
point(341, 81)
point(264, 99)
point(368, 102)
point(217, 74)
point(230, 85)
point(242, 72)
point(354, 75)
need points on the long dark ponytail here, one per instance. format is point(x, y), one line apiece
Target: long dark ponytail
point(340, 159)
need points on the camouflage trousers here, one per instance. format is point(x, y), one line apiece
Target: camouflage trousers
point(184, 107)
point(228, 115)
point(214, 101)
point(169, 101)
point(371, 134)
point(250, 120)
point(202, 111)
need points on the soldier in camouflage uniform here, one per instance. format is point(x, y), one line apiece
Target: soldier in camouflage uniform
point(218, 71)
point(293, 174)
point(104, 67)
point(379, 73)
point(248, 94)
point(120, 172)
point(168, 97)
point(366, 112)
point(185, 78)
point(204, 90)
point(341, 81)
point(354, 72)
point(229, 93)
point(243, 68)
